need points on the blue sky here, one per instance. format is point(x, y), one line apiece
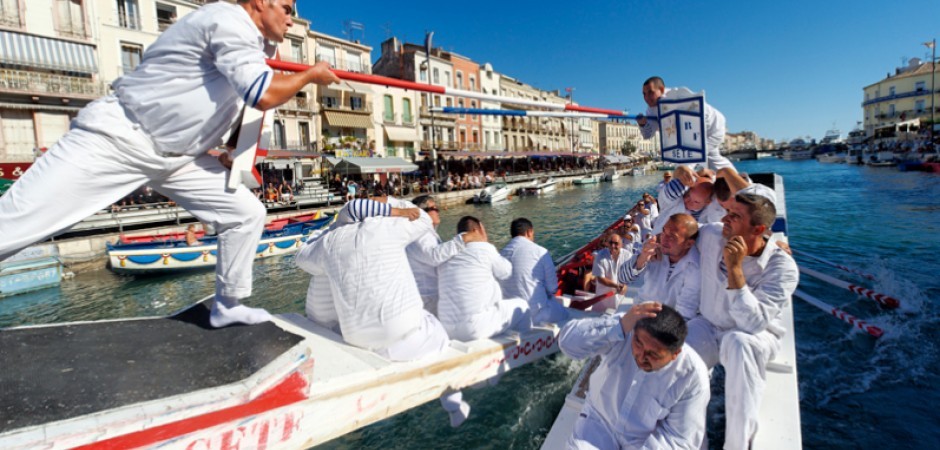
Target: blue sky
point(783, 69)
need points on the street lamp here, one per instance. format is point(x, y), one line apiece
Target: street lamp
point(427, 60)
point(933, 90)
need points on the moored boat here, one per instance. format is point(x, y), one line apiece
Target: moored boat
point(156, 255)
point(587, 179)
point(492, 193)
point(538, 187)
point(610, 174)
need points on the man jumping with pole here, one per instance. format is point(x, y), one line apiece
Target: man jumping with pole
point(157, 128)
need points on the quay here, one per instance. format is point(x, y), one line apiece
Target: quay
point(89, 252)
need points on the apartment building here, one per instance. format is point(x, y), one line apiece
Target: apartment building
point(902, 96)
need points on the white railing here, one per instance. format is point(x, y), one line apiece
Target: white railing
point(25, 81)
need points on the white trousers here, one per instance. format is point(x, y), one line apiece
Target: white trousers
point(89, 169)
point(744, 357)
point(507, 313)
point(428, 339)
point(550, 311)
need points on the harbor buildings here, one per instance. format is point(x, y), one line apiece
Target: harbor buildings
point(902, 98)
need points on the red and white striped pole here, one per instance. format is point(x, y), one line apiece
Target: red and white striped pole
point(421, 87)
point(840, 314)
point(884, 300)
point(836, 265)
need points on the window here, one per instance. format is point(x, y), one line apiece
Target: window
point(920, 86)
point(389, 109)
point(919, 106)
point(423, 75)
point(891, 91)
point(473, 83)
point(130, 56)
point(329, 102)
point(460, 105)
point(356, 104)
point(891, 109)
point(476, 137)
point(166, 16)
point(10, 13)
point(459, 80)
point(71, 17)
point(450, 102)
point(437, 77)
point(406, 110)
point(437, 101)
point(128, 14)
point(354, 62)
point(296, 50)
point(326, 53)
point(304, 130)
point(447, 79)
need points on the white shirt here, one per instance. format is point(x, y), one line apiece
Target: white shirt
point(638, 409)
point(714, 133)
point(467, 283)
point(425, 255)
point(374, 292)
point(533, 272)
point(677, 285)
point(771, 279)
point(195, 78)
point(606, 266)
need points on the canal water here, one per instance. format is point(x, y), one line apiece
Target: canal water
point(856, 392)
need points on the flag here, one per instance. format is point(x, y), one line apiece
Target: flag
point(930, 44)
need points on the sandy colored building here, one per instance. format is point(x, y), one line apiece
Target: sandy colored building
point(902, 96)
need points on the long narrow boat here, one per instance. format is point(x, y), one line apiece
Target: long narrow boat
point(176, 383)
point(779, 412)
point(155, 255)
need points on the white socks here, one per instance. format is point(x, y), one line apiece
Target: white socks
point(226, 311)
point(456, 408)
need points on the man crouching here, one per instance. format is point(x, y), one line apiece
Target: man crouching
point(650, 389)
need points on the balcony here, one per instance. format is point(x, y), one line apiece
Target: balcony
point(397, 119)
point(129, 21)
point(299, 104)
point(73, 31)
point(10, 17)
point(349, 66)
point(440, 145)
point(364, 109)
point(21, 81)
point(896, 96)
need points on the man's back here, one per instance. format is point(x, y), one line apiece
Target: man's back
point(533, 272)
point(375, 294)
point(468, 282)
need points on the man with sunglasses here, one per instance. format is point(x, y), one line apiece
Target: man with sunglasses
point(650, 390)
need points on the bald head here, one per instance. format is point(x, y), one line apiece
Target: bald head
point(699, 196)
point(678, 236)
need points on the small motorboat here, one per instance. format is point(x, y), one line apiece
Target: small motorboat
point(492, 194)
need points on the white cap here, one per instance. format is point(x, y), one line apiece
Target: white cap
point(761, 191)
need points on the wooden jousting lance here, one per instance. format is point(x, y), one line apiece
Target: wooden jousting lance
point(420, 87)
point(840, 314)
point(837, 266)
point(884, 300)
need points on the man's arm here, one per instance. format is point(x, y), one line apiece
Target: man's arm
point(754, 310)
point(549, 276)
point(714, 137)
point(502, 268)
point(284, 86)
point(582, 338)
point(434, 253)
point(684, 425)
point(689, 296)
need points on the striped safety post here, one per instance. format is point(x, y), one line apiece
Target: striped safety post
point(840, 314)
point(836, 265)
point(884, 300)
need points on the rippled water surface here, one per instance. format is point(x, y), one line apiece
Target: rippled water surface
point(855, 392)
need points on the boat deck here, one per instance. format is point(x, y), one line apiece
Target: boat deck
point(69, 371)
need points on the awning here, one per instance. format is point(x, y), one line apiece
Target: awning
point(358, 165)
point(347, 120)
point(401, 134)
point(40, 52)
point(333, 161)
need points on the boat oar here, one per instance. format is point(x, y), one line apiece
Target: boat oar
point(837, 266)
point(840, 314)
point(884, 300)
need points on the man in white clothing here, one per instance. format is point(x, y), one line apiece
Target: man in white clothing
point(669, 265)
point(157, 128)
point(606, 266)
point(377, 303)
point(427, 254)
point(654, 88)
point(649, 391)
point(747, 281)
point(533, 274)
point(472, 305)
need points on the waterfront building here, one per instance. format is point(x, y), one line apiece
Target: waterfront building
point(492, 125)
point(345, 112)
point(467, 77)
point(395, 113)
point(295, 122)
point(410, 62)
point(585, 141)
point(613, 137)
point(901, 98)
point(547, 134)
